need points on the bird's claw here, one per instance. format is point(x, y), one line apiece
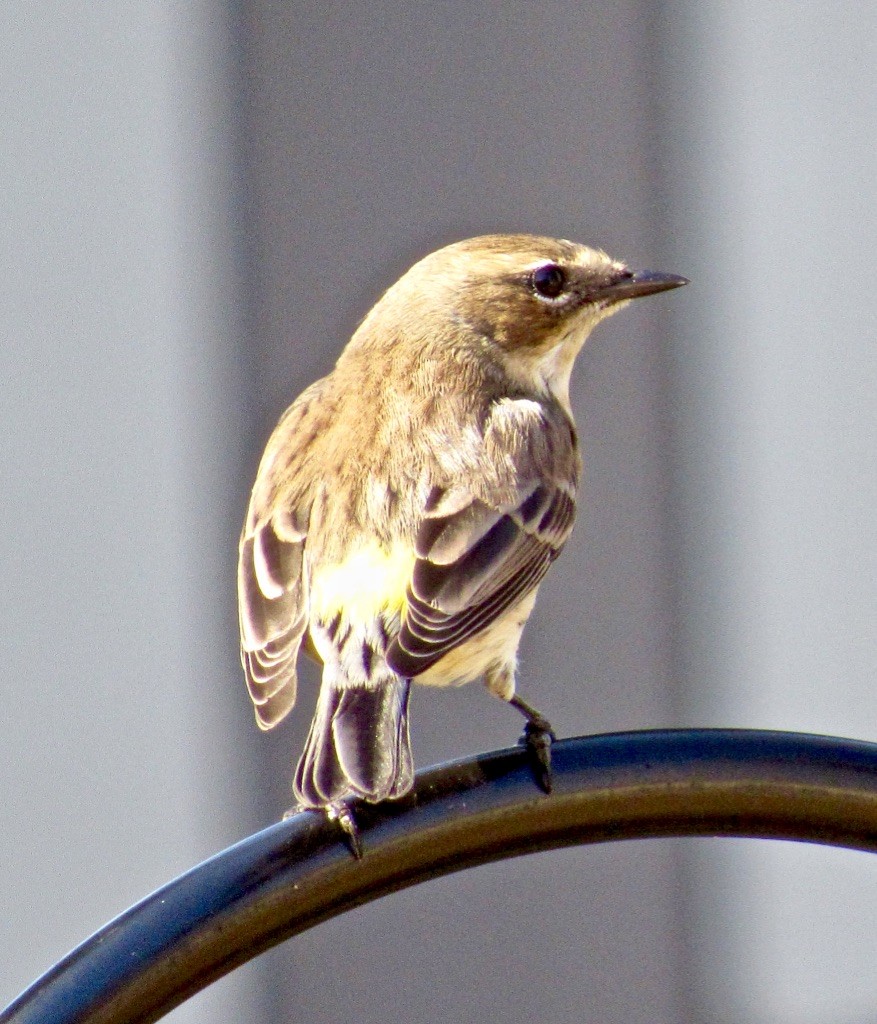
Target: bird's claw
point(537, 738)
point(344, 816)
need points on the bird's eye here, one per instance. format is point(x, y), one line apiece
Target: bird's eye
point(549, 281)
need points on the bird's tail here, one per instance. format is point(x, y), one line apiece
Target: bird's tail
point(358, 746)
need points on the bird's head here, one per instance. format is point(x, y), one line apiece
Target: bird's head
point(529, 301)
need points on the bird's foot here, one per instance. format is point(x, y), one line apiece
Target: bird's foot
point(538, 742)
point(537, 737)
point(342, 814)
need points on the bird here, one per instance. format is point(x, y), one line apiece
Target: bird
point(408, 505)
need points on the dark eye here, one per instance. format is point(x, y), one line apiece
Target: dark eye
point(549, 281)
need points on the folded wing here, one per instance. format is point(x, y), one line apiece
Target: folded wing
point(273, 617)
point(475, 560)
point(272, 584)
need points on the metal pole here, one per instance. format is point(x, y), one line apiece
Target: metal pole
point(298, 873)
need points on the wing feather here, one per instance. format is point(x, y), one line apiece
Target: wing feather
point(485, 542)
point(272, 619)
point(475, 564)
point(272, 584)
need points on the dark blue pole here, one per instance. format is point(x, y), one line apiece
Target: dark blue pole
point(298, 873)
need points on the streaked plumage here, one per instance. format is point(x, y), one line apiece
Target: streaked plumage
point(408, 505)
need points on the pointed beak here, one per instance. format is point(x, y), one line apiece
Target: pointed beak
point(630, 285)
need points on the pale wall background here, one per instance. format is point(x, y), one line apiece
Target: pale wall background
point(771, 111)
point(200, 202)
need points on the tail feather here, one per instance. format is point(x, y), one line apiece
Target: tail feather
point(358, 745)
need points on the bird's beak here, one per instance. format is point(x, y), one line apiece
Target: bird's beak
point(630, 285)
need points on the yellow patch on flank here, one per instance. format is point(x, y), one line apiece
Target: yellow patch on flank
point(372, 579)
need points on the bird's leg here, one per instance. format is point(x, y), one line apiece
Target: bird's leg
point(537, 738)
point(342, 814)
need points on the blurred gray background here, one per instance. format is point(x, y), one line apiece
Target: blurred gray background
point(199, 202)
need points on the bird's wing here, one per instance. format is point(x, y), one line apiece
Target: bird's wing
point(272, 585)
point(273, 617)
point(480, 554)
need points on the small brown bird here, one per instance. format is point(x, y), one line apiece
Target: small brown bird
point(409, 504)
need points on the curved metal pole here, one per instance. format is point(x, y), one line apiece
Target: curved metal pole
point(298, 873)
